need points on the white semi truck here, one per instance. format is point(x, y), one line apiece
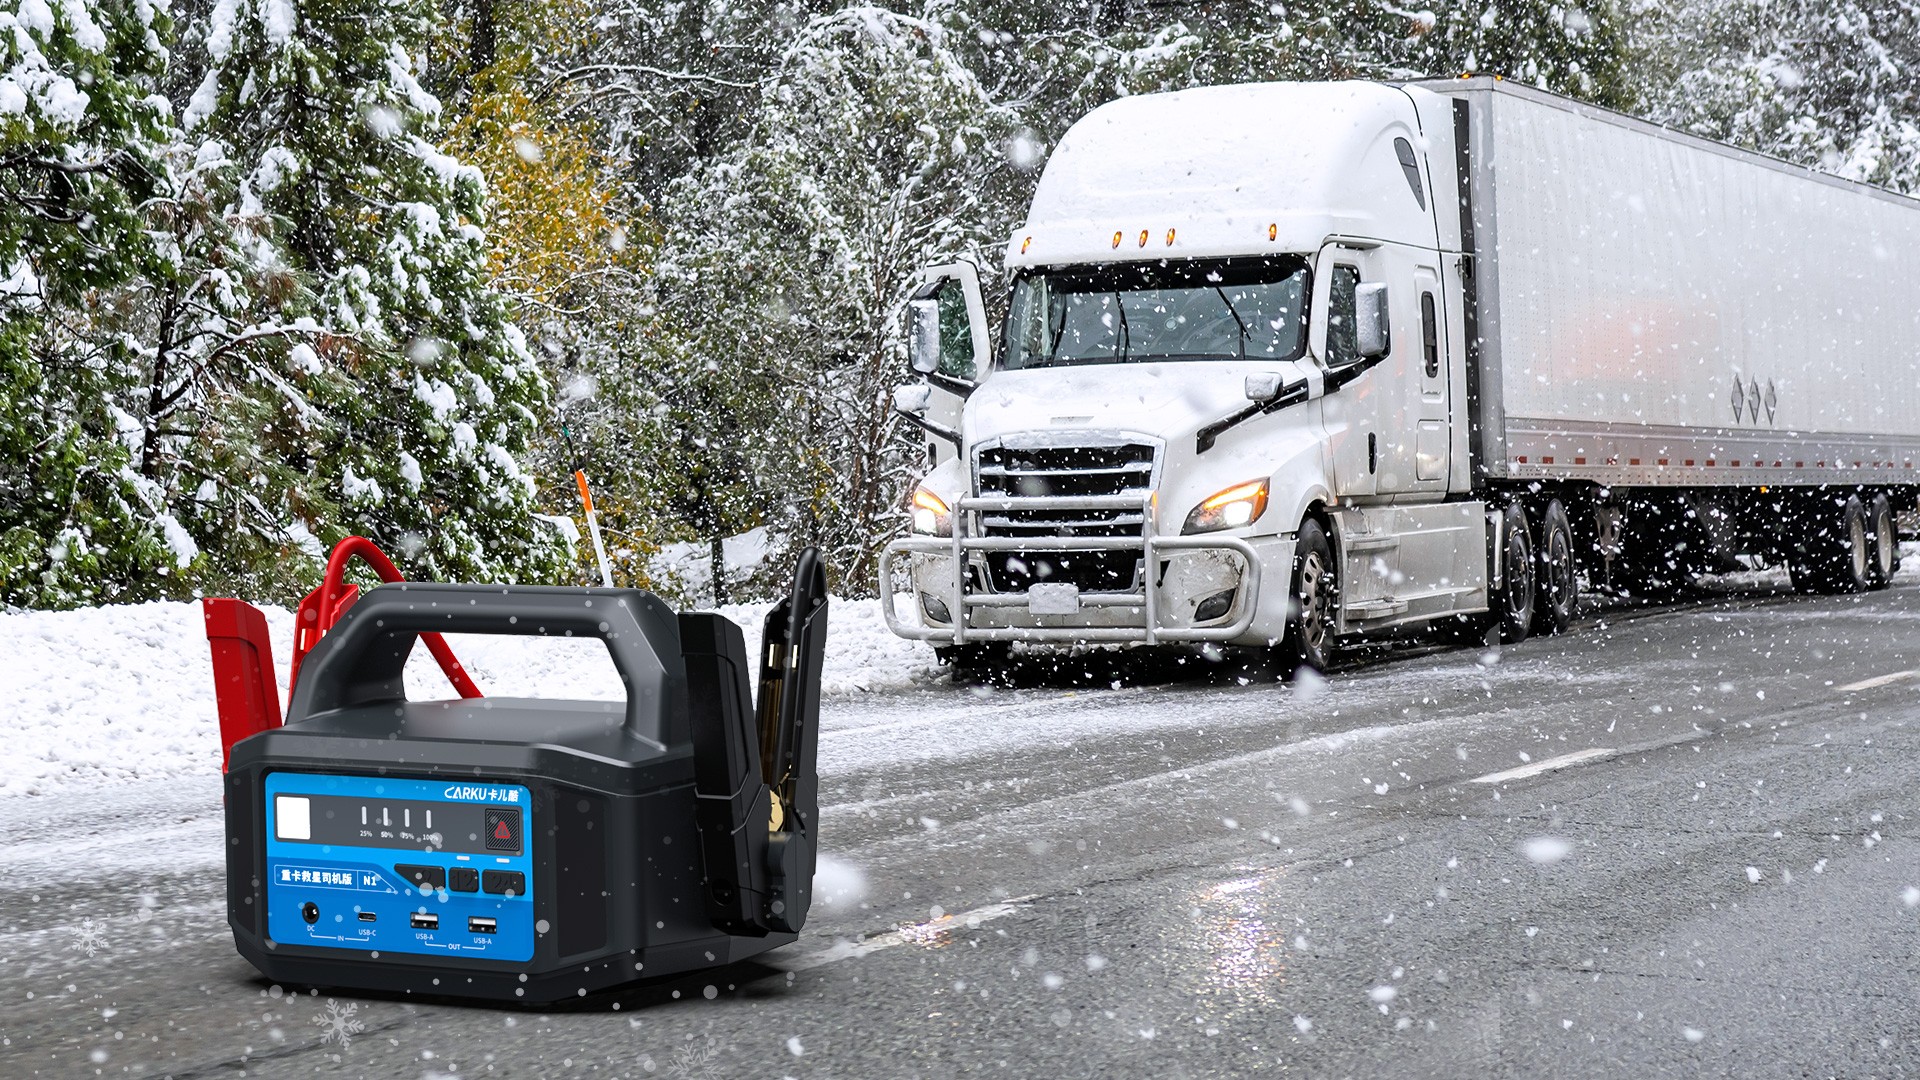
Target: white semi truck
point(1293, 363)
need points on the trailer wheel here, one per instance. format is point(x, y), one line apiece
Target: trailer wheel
point(1513, 600)
point(1836, 556)
point(1883, 540)
point(1315, 590)
point(1557, 589)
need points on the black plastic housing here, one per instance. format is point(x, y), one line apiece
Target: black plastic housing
point(651, 839)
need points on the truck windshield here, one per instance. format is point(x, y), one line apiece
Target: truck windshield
point(1220, 309)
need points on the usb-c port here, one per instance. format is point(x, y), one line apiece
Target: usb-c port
point(368, 916)
point(480, 924)
point(422, 920)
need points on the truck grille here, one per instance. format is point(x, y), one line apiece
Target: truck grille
point(1064, 471)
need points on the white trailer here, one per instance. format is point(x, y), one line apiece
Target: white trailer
point(1292, 363)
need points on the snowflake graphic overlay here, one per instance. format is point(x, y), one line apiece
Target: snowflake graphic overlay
point(88, 937)
point(698, 1059)
point(339, 1023)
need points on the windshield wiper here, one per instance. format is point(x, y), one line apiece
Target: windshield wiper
point(1237, 321)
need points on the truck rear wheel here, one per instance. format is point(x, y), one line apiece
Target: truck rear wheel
point(1835, 555)
point(1557, 589)
point(1314, 591)
point(1513, 600)
point(1883, 539)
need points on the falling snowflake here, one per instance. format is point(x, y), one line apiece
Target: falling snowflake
point(696, 1060)
point(339, 1023)
point(89, 937)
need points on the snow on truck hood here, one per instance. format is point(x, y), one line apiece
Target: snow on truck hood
point(1165, 401)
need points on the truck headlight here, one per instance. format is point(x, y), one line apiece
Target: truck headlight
point(1241, 504)
point(930, 515)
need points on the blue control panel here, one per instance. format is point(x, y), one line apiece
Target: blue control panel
point(437, 867)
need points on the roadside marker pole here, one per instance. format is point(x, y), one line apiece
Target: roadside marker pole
point(593, 528)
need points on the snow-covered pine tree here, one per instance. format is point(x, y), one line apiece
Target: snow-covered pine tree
point(874, 152)
point(413, 408)
point(79, 130)
point(1832, 86)
point(570, 244)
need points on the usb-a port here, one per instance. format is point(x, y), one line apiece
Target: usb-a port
point(481, 924)
point(422, 920)
point(368, 916)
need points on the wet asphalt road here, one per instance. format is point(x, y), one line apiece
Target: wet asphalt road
point(1181, 877)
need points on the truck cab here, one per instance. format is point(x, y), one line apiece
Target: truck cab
point(1229, 399)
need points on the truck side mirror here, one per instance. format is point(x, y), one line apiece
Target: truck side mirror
point(913, 400)
point(923, 335)
point(1264, 386)
point(1372, 332)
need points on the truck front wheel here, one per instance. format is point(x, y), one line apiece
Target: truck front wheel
point(1513, 600)
point(1315, 590)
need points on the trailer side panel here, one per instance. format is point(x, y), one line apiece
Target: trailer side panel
point(1662, 310)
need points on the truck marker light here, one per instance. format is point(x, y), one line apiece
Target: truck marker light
point(1143, 237)
point(1025, 244)
point(1117, 234)
point(1273, 232)
point(1169, 237)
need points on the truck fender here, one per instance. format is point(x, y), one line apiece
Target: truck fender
point(1290, 498)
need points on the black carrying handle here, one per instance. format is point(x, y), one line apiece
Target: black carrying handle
point(360, 661)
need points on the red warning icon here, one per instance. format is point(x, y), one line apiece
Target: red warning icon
point(503, 829)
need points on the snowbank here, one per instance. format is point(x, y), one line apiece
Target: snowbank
point(119, 693)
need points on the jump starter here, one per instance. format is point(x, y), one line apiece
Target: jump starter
point(523, 849)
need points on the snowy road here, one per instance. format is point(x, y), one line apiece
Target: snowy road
point(1672, 843)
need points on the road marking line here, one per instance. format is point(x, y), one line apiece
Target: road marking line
point(1578, 757)
point(1878, 680)
point(932, 933)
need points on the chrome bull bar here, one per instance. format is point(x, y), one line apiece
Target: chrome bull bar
point(1149, 632)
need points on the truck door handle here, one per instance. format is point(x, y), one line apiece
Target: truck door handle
point(1373, 453)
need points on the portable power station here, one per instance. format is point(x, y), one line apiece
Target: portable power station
point(524, 849)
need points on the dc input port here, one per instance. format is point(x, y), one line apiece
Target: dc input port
point(310, 911)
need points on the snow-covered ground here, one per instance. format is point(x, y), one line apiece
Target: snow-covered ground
point(125, 693)
point(121, 693)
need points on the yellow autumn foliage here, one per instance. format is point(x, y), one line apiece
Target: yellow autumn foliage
point(556, 225)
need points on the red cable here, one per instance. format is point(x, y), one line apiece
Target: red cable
point(330, 588)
